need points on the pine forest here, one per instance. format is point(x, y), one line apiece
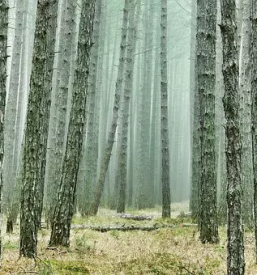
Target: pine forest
point(128, 137)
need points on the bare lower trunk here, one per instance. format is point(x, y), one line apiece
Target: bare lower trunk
point(235, 259)
point(60, 233)
point(108, 150)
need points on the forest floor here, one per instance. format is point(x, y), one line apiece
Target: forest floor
point(174, 250)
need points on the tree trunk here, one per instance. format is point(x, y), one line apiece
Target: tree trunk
point(107, 153)
point(64, 208)
point(235, 259)
point(3, 74)
point(195, 160)
point(35, 142)
point(245, 114)
point(164, 116)
point(122, 158)
point(206, 76)
point(254, 108)
point(88, 166)
point(10, 168)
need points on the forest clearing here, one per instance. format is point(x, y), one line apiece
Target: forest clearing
point(175, 250)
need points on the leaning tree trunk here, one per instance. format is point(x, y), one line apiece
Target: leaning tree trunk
point(254, 108)
point(235, 246)
point(107, 154)
point(3, 59)
point(34, 154)
point(63, 212)
point(206, 77)
point(164, 116)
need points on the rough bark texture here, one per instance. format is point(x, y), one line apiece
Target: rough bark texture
point(63, 212)
point(122, 159)
point(67, 35)
point(254, 108)
point(235, 258)
point(164, 116)
point(35, 142)
point(107, 153)
point(88, 165)
point(206, 75)
point(3, 59)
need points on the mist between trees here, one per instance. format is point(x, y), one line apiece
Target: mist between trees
point(128, 104)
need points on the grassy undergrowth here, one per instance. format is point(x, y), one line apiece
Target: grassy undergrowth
point(163, 251)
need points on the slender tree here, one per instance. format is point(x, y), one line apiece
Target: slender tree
point(107, 153)
point(164, 116)
point(122, 158)
point(60, 233)
point(3, 74)
point(10, 159)
point(195, 159)
point(66, 36)
point(254, 107)
point(235, 246)
point(35, 142)
point(205, 73)
point(88, 164)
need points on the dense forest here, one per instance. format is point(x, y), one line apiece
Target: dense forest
point(128, 137)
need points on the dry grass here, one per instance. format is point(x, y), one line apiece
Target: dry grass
point(164, 251)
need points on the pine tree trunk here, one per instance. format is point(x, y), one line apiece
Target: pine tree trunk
point(164, 116)
point(122, 158)
point(107, 153)
point(235, 259)
point(64, 208)
point(20, 108)
point(254, 108)
point(3, 73)
point(206, 77)
point(195, 173)
point(245, 114)
point(10, 170)
point(88, 165)
point(35, 142)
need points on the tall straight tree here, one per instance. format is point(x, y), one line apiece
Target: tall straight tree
point(205, 73)
point(108, 150)
point(122, 159)
point(88, 164)
point(3, 59)
point(63, 212)
point(164, 116)
point(235, 233)
point(34, 154)
point(195, 159)
point(254, 107)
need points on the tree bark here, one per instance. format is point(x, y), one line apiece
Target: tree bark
point(64, 208)
point(107, 153)
point(206, 77)
point(34, 155)
point(164, 116)
point(3, 73)
point(254, 107)
point(122, 158)
point(235, 259)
